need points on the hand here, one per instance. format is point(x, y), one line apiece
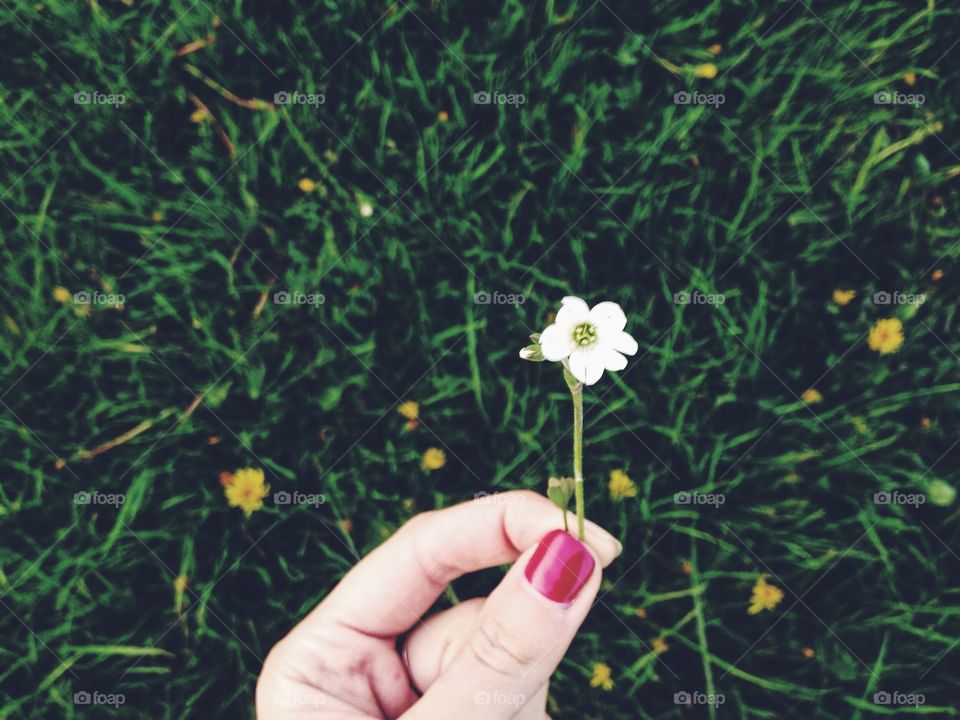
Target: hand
point(486, 658)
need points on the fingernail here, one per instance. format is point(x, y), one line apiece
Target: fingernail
point(559, 567)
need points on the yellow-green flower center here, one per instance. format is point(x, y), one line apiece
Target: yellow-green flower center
point(584, 334)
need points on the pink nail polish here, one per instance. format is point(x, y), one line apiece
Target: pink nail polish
point(559, 567)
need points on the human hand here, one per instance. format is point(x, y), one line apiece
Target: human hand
point(487, 658)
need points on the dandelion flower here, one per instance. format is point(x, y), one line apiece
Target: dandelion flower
point(61, 294)
point(434, 459)
point(246, 490)
point(707, 70)
point(307, 185)
point(602, 677)
point(886, 336)
point(811, 396)
point(588, 340)
point(621, 486)
point(843, 297)
point(409, 409)
point(765, 596)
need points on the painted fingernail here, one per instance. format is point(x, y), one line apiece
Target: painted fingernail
point(559, 567)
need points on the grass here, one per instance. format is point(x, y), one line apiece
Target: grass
point(597, 185)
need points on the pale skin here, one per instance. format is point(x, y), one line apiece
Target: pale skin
point(488, 658)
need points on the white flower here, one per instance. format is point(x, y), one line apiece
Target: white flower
point(589, 340)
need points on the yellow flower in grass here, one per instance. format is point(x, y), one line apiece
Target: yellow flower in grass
point(659, 646)
point(246, 490)
point(602, 677)
point(707, 71)
point(621, 486)
point(811, 396)
point(843, 297)
point(765, 596)
point(307, 185)
point(61, 294)
point(409, 409)
point(886, 336)
point(434, 459)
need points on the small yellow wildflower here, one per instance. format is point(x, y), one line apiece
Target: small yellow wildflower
point(199, 115)
point(443, 116)
point(765, 596)
point(706, 70)
point(715, 49)
point(246, 490)
point(812, 396)
point(808, 652)
point(156, 216)
point(640, 613)
point(910, 78)
point(602, 677)
point(843, 297)
point(61, 294)
point(937, 275)
point(686, 568)
point(659, 646)
point(621, 486)
point(409, 409)
point(434, 459)
point(925, 423)
point(886, 336)
point(307, 185)
point(180, 583)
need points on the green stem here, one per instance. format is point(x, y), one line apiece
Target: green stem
point(577, 392)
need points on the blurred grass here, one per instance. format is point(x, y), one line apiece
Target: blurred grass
point(598, 185)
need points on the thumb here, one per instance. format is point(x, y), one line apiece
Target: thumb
point(520, 636)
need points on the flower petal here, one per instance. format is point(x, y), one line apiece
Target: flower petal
point(586, 364)
point(572, 311)
point(612, 360)
point(556, 343)
point(623, 342)
point(608, 316)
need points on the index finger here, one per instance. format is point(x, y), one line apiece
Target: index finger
point(388, 591)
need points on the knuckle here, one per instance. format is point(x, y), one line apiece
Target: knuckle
point(498, 648)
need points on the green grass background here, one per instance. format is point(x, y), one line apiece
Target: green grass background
point(599, 185)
